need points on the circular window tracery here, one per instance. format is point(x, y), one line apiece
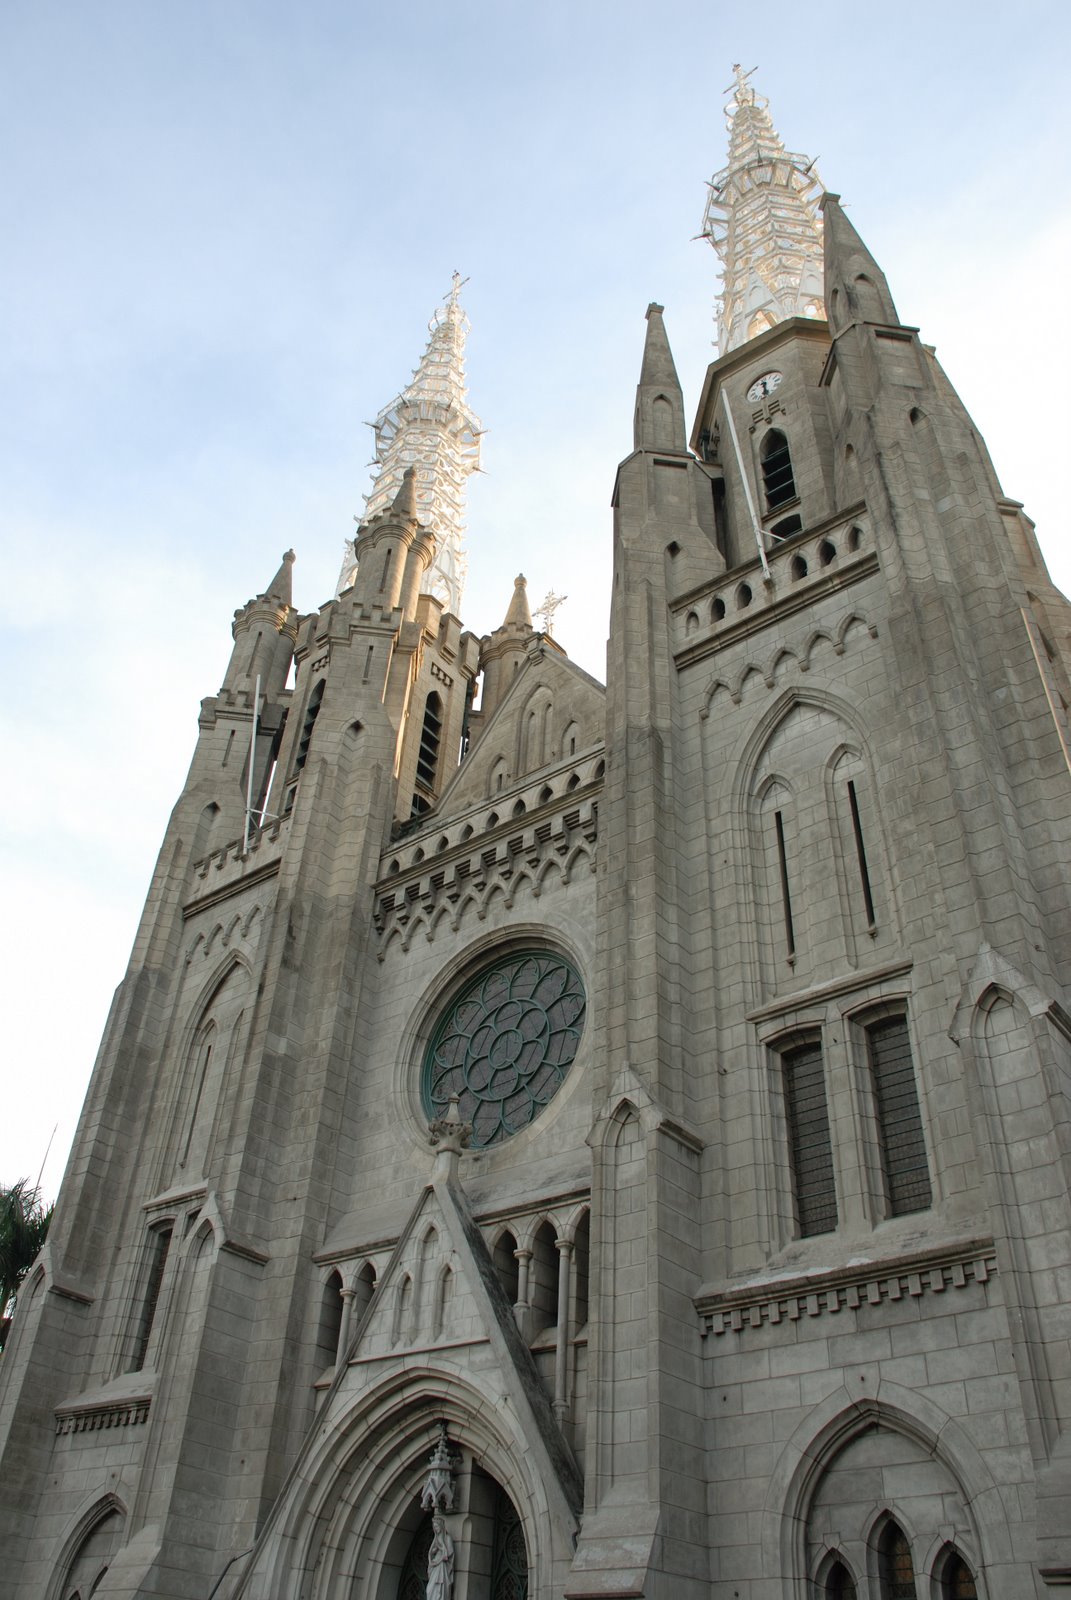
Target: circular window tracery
point(505, 1044)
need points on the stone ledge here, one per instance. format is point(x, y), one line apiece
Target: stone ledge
point(104, 1410)
point(846, 1288)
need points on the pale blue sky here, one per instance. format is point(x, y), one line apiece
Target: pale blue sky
point(226, 227)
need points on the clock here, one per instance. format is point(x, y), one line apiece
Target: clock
point(764, 387)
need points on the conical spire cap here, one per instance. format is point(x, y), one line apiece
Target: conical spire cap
point(518, 614)
point(404, 504)
point(281, 586)
point(659, 416)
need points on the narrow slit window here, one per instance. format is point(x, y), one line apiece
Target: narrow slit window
point(905, 1169)
point(786, 897)
point(860, 853)
point(810, 1147)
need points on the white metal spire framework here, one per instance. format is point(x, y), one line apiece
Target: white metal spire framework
point(762, 218)
point(431, 427)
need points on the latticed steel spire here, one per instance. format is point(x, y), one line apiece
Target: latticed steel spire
point(430, 427)
point(762, 218)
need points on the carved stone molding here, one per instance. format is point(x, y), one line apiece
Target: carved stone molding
point(115, 1414)
point(502, 857)
point(789, 1300)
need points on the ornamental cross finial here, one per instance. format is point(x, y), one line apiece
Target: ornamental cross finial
point(547, 610)
point(741, 78)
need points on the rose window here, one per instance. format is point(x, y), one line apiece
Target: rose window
point(505, 1044)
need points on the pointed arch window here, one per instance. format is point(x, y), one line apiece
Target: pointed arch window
point(896, 1572)
point(957, 1579)
point(839, 1583)
point(778, 479)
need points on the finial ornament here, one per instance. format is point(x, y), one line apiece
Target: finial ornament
point(438, 1491)
point(430, 427)
point(448, 1133)
point(763, 220)
point(547, 610)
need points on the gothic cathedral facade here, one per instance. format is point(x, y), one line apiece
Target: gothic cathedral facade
point(577, 1142)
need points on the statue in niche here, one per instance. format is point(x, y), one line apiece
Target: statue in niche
point(440, 1561)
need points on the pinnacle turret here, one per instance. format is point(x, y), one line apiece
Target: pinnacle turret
point(762, 219)
point(430, 427)
point(281, 586)
point(519, 615)
point(659, 418)
point(856, 289)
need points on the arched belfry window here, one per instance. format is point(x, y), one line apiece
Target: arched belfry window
point(778, 481)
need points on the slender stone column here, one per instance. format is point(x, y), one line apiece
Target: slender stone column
point(561, 1355)
point(522, 1308)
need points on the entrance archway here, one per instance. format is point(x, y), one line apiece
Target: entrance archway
point(490, 1555)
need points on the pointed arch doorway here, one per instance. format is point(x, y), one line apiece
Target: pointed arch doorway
point(491, 1558)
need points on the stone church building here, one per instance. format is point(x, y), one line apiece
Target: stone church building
point(570, 1142)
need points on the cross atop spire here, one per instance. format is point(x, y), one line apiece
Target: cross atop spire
point(430, 427)
point(762, 218)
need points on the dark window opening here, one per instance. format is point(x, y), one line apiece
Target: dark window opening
point(957, 1580)
point(839, 1584)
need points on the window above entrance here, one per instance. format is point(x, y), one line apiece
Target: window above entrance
point(504, 1044)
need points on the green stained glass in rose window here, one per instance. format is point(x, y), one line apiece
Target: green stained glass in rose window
point(505, 1044)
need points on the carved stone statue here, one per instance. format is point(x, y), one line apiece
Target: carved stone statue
point(440, 1561)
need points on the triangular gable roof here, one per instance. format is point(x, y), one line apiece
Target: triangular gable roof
point(543, 666)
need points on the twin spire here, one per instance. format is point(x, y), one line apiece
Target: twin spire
point(431, 428)
point(762, 217)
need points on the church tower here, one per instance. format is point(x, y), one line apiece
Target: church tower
point(590, 1143)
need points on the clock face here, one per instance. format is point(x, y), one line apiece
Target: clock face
point(764, 387)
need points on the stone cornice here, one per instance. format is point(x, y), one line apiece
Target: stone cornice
point(773, 1301)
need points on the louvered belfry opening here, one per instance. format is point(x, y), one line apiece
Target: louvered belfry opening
point(903, 1148)
point(430, 737)
point(809, 1143)
point(312, 711)
point(778, 480)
